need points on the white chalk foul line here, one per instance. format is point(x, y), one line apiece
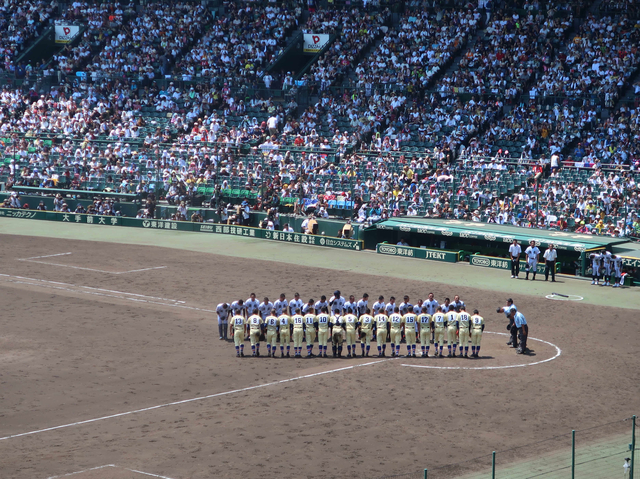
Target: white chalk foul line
point(42, 283)
point(185, 401)
point(45, 256)
point(88, 269)
point(110, 465)
point(80, 472)
point(558, 353)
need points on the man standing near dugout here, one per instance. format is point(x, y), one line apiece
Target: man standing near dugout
point(550, 257)
point(514, 252)
point(533, 253)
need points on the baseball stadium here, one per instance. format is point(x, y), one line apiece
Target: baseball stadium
point(327, 239)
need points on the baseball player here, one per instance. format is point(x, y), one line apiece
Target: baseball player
point(323, 303)
point(351, 305)
point(336, 302)
point(463, 330)
point(533, 253)
point(457, 302)
point(477, 327)
point(409, 321)
point(431, 305)
point(595, 257)
point(515, 250)
point(310, 322)
point(323, 330)
point(362, 305)
point(424, 320)
point(607, 267)
point(439, 325)
point(308, 306)
point(444, 307)
point(296, 303)
point(255, 330)
point(282, 305)
point(284, 328)
point(251, 305)
point(378, 306)
point(265, 308)
point(272, 332)
point(237, 307)
point(405, 306)
point(452, 332)
point(337, 333)
point(298, 332)
point(238, 323)
point(351, 325)
point(381, 331)
point(513, 342)
point(391, 306)
point(366, 331)
point(222, 310)
point(395, 320)
point(617, 268)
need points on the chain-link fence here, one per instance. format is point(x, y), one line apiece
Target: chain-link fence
point(600, 452)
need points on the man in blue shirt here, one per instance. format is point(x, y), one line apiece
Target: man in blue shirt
point(520, 324)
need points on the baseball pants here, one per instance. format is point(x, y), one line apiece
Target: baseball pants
point(476, 337)
point(381, 337)
point(425, 336)
point(451, 336)
point(351, 337)
point(310, 334)
point(595, 272)
point(523, 334)
point(238, 337)
point(514, 335)
point(323, 336)
point(285, 338)
point(439, 336)
point(533, 267)
point(396, 337)
point(254, 336)
point(297, 338)
point(365, 337)
point(463, 337)
point(337, 338)
point(410, 337)
point(272, 336)
point(550, 266)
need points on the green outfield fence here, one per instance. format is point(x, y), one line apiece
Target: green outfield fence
point(598, 452)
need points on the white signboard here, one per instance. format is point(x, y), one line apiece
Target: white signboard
point(313, 42)
point(66, 33)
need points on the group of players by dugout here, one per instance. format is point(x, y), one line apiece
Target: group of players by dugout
point(344, 321)
point(606, 266)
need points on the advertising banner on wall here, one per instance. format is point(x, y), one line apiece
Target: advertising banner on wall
point(314, 42)
point(66, 33)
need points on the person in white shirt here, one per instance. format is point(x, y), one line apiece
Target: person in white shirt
point(403, 242)
point(514, 252)
point(533, 253)
point(606, 266)
point(362, 305)
point(237, 307)
point(252, 304)
point(336, 302)
point(550, 256)
point(265, 308)
point(595, 267)
point(432, 305)
point(323, 303)
point(378, 306)
point(287, 228)
point(617, 268)
point(222, 310)
point(281, 305)
point(296, 303)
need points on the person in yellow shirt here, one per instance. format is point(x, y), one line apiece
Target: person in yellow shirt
point(477, 327)
point(284, 328)
point(366, 331)
point(439, 326)
point(351, 325)
point(272, 333)
point(382, 329)
point(395, 320)
point(255, 330)
point(323, 330)
point(452, 332)
point(310, 322)
point(337, 333)
point(298, 332)
point(464, 320)
point(238, 326)
point(409, 322)
point(424, 321)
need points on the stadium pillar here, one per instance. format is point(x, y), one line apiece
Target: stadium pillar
point(493, 465)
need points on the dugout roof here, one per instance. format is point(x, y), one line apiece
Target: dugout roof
point(495, 233)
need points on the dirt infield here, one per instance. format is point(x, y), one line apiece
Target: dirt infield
point(79, 342)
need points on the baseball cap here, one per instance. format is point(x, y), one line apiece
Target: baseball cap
point(337, 291)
